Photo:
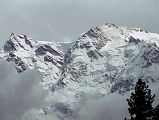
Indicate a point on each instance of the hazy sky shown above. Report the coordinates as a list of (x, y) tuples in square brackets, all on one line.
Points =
[(62, 20)]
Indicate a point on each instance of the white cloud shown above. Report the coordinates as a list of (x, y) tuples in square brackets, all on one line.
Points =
[(19, 92)]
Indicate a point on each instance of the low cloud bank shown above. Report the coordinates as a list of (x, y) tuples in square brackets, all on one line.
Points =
[(19, 92)]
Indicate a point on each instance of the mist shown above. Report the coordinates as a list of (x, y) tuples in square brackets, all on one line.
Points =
[(19, 93), (109, 107)]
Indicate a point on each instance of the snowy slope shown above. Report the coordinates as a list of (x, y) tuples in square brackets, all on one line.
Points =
[(103, 60), (107, 59), (31, 54)]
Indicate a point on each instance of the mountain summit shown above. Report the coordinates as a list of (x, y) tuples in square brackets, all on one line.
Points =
[(103, 60), (27, 53)]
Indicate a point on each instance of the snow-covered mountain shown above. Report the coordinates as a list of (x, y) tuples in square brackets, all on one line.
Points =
[(103, 60), (31, 54), (109, 58)]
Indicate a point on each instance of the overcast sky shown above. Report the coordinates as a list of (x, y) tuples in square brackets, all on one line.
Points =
[(65, 20), (60, 20)]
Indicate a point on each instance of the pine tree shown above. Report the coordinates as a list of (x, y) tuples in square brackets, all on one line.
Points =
[(156, 113), (140, 102), (125, 118)]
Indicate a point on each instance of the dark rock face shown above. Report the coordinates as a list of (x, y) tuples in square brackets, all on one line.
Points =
[(68, 58), (57, 62), (11, 54), (28, 42), (123, 86), (9, 46), (21, 69), (94, 54), (34, 60), (48, 58), (111, 25), (63, 111), (20, 65), (151, 55), (46, 48), (93, 33), (139, 30), (76, 73), (14, 42), (61, 107), (136, 41), (60, 84), (18, 61), (85, 45), (41, 50), (97, 33)]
